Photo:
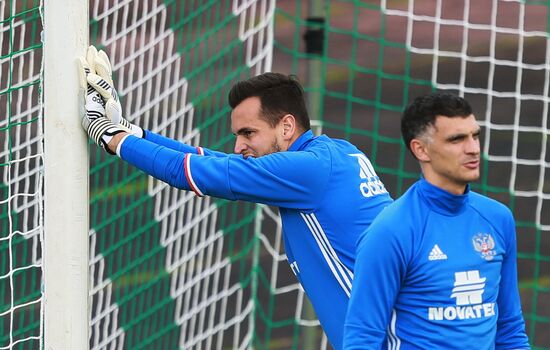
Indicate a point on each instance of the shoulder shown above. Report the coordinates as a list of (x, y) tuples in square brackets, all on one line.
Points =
[(399, 217), (303, 168), (404, 210), (495, 213), (488, 207), (335, 144), (326, 151), (299, 162), (339, 152)]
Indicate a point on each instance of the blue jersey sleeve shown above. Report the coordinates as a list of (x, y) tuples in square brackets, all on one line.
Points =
[(284, 179), (510, 325), (376, 284), (158, 161), (179, 146)]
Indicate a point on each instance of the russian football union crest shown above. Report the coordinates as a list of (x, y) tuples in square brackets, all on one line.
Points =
[(485, 245)]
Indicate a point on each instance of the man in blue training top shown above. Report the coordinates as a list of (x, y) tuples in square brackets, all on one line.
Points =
[(278, 162), (437, 268)]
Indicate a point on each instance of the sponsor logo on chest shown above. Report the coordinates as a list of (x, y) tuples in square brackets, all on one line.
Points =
[(468, 292)]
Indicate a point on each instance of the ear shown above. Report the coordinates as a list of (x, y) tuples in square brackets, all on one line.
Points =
[(419, 149), (288, 124)]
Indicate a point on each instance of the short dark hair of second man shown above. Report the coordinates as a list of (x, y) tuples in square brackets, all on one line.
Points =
[(421, 113)]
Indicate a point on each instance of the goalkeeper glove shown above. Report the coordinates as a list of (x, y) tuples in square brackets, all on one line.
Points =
[(102, 81), (99, 128)]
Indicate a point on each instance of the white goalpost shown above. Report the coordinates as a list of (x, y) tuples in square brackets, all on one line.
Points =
[(66, 223)]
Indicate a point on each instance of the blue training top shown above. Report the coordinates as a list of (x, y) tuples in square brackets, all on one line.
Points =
[(437, 271), (327, 193)]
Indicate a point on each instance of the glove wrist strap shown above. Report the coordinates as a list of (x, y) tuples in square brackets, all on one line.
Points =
[(102, 131)]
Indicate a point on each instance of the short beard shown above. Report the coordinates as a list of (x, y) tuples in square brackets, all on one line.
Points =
[(275, 147)]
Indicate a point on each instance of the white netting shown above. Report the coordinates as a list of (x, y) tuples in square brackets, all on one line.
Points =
[(20, 177), (508, 41), (174, 62), (150, 76)]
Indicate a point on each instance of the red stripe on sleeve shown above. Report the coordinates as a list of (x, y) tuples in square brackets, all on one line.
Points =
[(188, 176)]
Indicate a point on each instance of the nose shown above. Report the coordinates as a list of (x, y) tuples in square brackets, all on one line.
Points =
[(240, 146), (472, 146)]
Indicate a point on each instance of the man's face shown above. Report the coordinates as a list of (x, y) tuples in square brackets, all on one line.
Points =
[(254, 136), (452, 150)]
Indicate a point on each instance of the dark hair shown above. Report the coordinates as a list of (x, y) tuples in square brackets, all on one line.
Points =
[(421, 113), (279, 95)]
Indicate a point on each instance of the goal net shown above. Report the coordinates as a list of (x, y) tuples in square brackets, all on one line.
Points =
[(381, 54), (21, 178), (171, 270)]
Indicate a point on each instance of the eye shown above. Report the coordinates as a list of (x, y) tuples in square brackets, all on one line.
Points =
[(248, 133), (456, 139)]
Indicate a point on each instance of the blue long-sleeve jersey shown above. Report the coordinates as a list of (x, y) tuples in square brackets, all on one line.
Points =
[(437, 271), (327, 193)]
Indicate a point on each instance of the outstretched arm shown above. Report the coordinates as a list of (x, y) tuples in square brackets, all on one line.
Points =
[(286, 179), (179, 146)]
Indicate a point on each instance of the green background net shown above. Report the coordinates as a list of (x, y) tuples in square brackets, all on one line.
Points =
[(170, 270), (20, 176)]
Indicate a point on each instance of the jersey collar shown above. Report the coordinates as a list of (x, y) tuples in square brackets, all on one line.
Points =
[(441, 201), (300, 141)]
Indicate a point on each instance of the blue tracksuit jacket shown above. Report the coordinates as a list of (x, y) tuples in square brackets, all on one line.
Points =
[(437, 271), (327, 193)]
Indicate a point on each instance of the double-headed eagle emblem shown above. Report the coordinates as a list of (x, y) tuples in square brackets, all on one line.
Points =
[(485, 245)]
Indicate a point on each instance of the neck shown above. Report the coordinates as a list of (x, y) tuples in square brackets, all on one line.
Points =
[(440, 200), (446, 184)]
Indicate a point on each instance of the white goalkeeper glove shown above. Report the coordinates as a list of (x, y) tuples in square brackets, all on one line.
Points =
[(102, 81), (95, 122)]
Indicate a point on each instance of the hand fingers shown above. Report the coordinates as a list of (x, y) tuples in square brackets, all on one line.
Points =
[(103, 67), (91, 55), (83, 71), (100, 85), (105, 62), (113, 111), (103, 56)]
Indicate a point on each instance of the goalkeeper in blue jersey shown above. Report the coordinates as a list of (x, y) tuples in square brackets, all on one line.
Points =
[(437, 268), (326, 189)]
